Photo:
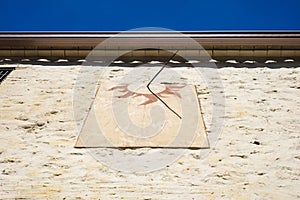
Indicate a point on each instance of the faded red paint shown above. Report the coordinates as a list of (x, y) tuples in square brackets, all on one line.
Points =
[(169, 90)]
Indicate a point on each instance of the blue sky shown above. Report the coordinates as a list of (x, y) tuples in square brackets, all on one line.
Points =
[(120, 15)]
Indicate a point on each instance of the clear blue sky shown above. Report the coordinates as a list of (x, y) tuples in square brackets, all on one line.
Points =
[(119, 15)]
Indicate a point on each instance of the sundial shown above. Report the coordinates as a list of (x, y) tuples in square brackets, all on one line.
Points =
[(127, 115), (131, 114)]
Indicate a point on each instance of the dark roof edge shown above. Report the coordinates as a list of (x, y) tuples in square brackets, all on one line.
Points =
[(208, 39)]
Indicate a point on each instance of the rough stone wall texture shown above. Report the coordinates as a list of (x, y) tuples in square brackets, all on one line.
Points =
[(256, 156)]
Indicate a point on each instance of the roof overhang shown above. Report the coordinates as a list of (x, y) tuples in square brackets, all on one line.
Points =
[(217, 44), (91, 39)]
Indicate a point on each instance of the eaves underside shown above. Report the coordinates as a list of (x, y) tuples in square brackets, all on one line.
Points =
[(217, 44)]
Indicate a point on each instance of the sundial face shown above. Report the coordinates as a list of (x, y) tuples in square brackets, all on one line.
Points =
[(127, 115)]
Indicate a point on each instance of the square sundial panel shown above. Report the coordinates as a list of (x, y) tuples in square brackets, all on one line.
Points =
[(130, 116)]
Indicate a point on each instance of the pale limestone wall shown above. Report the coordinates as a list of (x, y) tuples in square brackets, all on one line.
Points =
[(38, 132)]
